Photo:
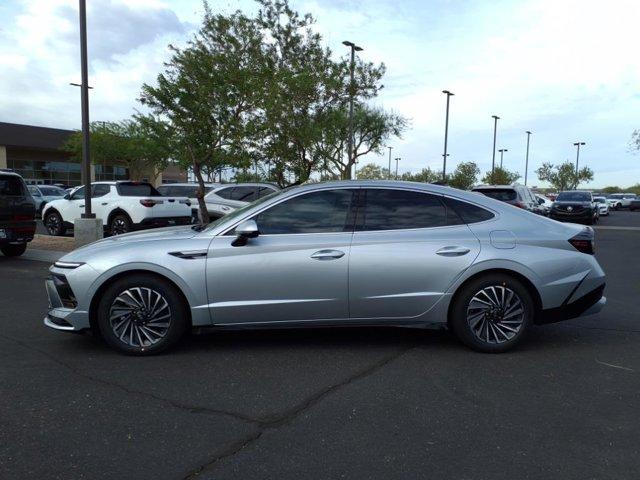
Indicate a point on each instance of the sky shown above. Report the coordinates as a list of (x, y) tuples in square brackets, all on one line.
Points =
[(567, 70)]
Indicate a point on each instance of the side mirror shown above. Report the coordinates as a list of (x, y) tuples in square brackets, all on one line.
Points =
[(246, 230), (67, 197)]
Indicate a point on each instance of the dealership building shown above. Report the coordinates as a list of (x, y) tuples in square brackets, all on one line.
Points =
[(36, 154)]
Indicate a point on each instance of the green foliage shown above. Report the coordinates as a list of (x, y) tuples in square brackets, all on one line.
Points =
[(611, 189), (128, 143), (426, 175), (372, 171), (500, 176), (563, 176), (464, 176)]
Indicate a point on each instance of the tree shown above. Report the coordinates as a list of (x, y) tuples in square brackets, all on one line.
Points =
[(305, 125), (207, 99), (372, 171), (500, 176), (464, 176), (611, 189), (128, 143), (426, 175), (563, 176)]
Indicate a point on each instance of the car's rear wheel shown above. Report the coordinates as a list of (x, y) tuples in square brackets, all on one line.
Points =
[(492, 313), (142, 315), (119, 224), (13, 250), (54, 224)]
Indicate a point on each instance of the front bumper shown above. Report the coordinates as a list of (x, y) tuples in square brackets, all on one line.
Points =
[(60, 317), (570, 217), (588, 304)]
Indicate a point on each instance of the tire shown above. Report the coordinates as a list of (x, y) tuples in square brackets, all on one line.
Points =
[(54, 224), (482, 326), (13, 250), (136, 329), (119, 224)]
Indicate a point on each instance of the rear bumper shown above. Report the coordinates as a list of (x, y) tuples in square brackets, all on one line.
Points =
[(153, 222), (588, 304), (17, 233)]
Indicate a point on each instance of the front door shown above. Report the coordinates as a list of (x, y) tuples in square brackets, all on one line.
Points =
[(406, 251), (296, 270)]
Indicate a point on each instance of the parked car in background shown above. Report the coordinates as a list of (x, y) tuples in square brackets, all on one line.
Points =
[(603, 206), (574, 206), (544, 203), (43, 194), (516, 195), (123, 206), (634, 204), (334, 254), (17, 214), (226, 198), (187, 190), (622, 200)]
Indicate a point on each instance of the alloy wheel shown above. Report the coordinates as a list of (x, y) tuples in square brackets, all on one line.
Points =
[(495, 314), (119, 226), (140, 317), (53, 224)]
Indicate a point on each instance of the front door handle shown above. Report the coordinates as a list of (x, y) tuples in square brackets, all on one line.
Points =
[(104, 203), (327, 254), (81, 206), (453, 251)]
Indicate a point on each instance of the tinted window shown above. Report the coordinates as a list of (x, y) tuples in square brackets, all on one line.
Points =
[(317, 212), (52, 191), (34, 190), (244, 194), (264, 191), (384, 209), (225, 193), (574, 197), (502, 194), (468, 212), (78, 194), (164, 190), (134, 189), (599, 200), (11, 186), (99, 190)]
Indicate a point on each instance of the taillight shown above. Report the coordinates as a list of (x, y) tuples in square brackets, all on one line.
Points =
[(147, 202), (584, 241), (519, 204)]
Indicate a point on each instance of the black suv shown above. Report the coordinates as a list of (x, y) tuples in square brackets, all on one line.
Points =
[(17, 212), (574, 206)]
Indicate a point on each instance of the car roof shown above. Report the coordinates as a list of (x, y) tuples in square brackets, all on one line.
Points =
[(189, 184), (9, 172), (488, 187)]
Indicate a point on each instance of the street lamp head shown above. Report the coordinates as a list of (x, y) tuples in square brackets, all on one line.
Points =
[(579, 143), (495, 116), (528, 132), (357, 48), (448, 92), (347, 43)]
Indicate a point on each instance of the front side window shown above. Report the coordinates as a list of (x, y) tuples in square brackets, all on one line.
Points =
[(386, 209), (78, 194), (316, 212)]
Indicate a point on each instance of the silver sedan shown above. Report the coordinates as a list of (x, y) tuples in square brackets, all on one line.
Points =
[(340, 253)]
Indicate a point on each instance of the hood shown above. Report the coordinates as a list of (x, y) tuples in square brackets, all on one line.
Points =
[(158, 234)]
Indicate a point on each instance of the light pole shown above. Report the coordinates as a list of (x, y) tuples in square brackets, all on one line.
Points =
[(397, 160), (389, 172), (577, 145), (84, 101), (526, 162), (354, 48), (502, 150), (495, 130), (446, 135)]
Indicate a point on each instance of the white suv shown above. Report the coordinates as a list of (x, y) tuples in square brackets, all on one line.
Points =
[(189, 190), (228, 197), (122, 206)]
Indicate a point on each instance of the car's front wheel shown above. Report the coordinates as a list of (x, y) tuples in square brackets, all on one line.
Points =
[(13, 250), (142, 315), (119, 224), (54, 224), (492, 313)]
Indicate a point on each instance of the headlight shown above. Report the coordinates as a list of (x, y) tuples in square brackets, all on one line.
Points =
[(69, 265)]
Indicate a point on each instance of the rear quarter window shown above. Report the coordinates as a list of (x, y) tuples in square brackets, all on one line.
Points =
[(468, 212), (137, 190), (502, 194), (11, 186)]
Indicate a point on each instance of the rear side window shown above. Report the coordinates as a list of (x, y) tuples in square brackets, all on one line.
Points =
[(316, 212), (468, 212), (225, 193), (386, 209), (244, 194), (502, 194), (99, 190), (264, 191), (11, 186), (137, 190)]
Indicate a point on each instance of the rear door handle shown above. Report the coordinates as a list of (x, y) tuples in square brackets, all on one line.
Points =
[(453, 251), (327, 254)]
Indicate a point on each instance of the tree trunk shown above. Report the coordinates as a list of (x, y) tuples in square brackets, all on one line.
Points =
[(202, 206)]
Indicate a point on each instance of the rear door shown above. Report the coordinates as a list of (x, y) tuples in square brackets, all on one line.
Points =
[(406, 251)]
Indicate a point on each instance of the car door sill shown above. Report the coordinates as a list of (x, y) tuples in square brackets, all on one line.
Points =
[(317, 323)]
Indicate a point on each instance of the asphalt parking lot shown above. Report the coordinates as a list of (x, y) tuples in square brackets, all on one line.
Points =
[(342, 403)]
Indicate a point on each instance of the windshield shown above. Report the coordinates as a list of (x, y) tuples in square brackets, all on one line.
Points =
[(600, 200), (52, 191), (574, 197), (239, 212)]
